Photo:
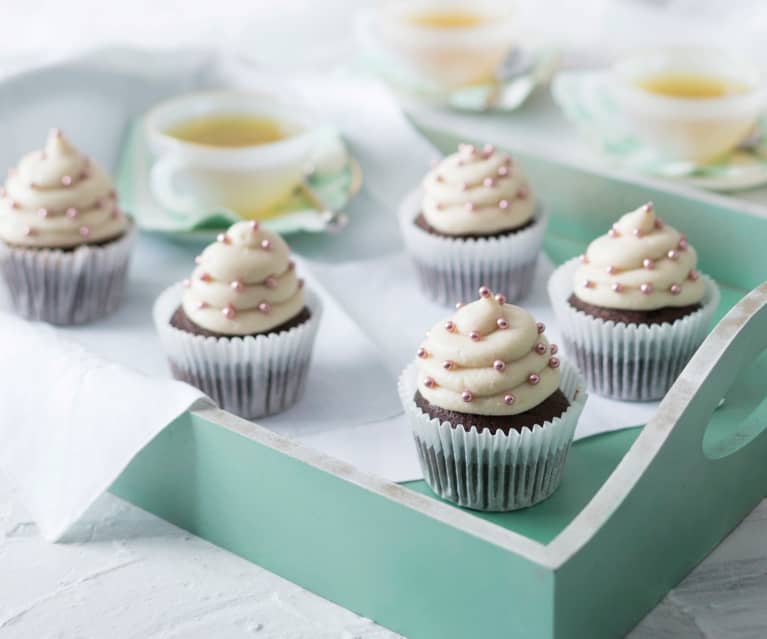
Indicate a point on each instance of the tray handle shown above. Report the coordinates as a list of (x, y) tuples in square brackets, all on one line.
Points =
[(690, 451)]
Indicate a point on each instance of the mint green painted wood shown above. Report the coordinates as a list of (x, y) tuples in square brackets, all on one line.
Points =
[(637, 509)]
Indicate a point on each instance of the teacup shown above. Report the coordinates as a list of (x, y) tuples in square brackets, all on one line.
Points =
[(448, 43), (689, 104), (200, 165)]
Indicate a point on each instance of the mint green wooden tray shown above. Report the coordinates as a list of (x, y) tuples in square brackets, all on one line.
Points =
[(637, 509)]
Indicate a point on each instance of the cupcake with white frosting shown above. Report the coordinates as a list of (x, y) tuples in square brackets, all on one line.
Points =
[(64, 242), (634, 308), (492, 406), (242, 327), (474, 222)]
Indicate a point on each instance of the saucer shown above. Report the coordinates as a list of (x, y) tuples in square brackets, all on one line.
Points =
[(315, 206), (585, 100)]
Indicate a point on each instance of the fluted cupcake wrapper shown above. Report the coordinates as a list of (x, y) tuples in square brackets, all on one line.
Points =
[(67, 287), (451, 270), (249, 376), (494, 471), (628, 361)]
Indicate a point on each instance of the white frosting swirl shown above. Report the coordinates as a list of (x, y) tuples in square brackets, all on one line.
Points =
[(490, 358), (640, 264), (244, 283), (477, 192), (58, 198)]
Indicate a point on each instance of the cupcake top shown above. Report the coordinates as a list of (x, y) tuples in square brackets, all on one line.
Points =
[(641, 264), (58, 198), (477, 192), (244, 283), (489, 358)]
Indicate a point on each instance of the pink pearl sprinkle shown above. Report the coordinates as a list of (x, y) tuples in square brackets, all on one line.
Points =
[(270, 282), (488, 182), (469, 206), (429, 382), (467, 396), (540, 326), (56, 132), (266, 244), (658, 223), (291, 265), (71, 213), (583, 259), (693, 275), (533, 378), (475, 336), (440, 178), (645, 288), (223, 238), (673, 255), (254, 225), (113, 194), (198, 259), (683, 244), (439, 206), (237, 286), (675, 289), (554, 362), (115, 213), (465, 186), (648, 264), (503, 171), (499, 365), (540, 348), (85, 174), (265, 307), (617, 287), (42, 212), (522, 193), (553, 349), (187, 283), (488, 149), (449, 326), (448, 364), (229, 312), (500, 298), (485, 292), (637, 232), (648, 207), (611, 270), (422, 353), (613, 233), (503, 204), (205, 277), (300, 283), (15, 205), (66, 180), (502, 323), (202, 305), (458, 305), (85, 231), (508, 399), (29, 231), (588, 284)]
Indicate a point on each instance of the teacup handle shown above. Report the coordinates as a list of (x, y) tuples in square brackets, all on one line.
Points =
[(161, 179)]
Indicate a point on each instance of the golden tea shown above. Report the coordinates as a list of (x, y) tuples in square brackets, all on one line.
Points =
[(230, 130), (688, 85), (448, 19)]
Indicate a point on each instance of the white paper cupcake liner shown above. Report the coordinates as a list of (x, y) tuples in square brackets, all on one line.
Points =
[(451, 270), (628, 361), (67, 287), (494, 471), (249, 376)]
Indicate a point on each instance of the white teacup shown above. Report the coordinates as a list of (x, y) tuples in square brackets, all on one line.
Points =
[(448, 57), (188, 177), (695, 129)]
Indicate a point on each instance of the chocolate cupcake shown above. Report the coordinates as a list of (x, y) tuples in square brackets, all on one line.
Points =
[(64, 243), (242, 327), (474, 222), (492, 407), (634, 308)]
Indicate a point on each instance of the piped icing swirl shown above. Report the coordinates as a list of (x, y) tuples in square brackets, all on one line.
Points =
[(244, 283), (489, 358), (641, 264), (478, 192), (58, 198)]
